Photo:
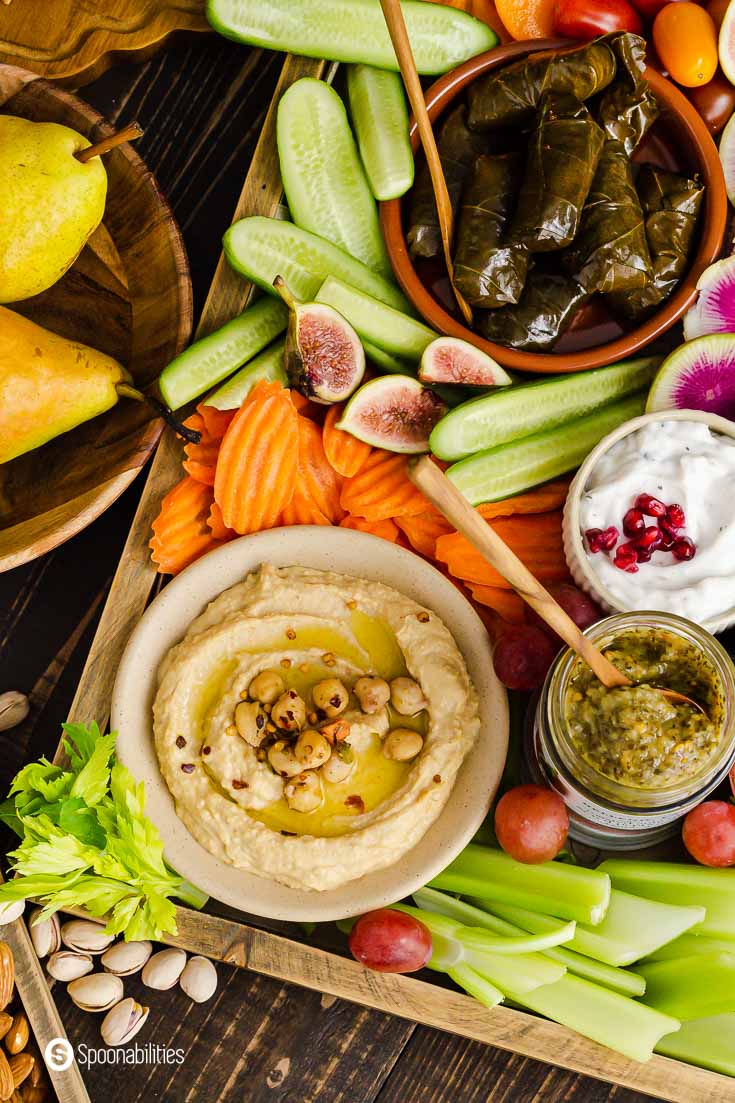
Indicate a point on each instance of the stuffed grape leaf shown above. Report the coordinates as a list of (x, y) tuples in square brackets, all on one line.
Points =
[(545, 310)]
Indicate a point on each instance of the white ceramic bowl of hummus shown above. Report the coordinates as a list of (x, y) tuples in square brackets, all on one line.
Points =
[(681, 456), (228, 841)]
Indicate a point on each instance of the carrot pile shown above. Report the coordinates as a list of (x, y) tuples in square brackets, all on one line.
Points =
[(281, 460)]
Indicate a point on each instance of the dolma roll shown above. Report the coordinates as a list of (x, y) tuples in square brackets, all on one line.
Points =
[(561, 162), (512, 94), (458, 147), (628, 107), (545, 310), (488, 272), (671, 205), (610, 253)]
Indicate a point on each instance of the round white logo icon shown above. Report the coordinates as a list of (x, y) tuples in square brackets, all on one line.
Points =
[(59, 1054)]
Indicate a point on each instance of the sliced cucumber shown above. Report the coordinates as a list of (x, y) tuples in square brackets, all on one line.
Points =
[(380, 118), (268, 366), (393, 365), (323, 178), (263, 248), (510, 468), (376, 323), (510, 413), (353, 30), (207, 362)]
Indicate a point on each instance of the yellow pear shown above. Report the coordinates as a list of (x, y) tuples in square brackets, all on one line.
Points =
[(51, 203), (49, 385)]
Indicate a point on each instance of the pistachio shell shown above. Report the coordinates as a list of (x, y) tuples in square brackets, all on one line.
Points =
[(14, 708), (11, 910), (68, 965), (96, 992), (123, 1022), (164, 969), (199, 979), (86, 936), (45, 934), (125, 958)]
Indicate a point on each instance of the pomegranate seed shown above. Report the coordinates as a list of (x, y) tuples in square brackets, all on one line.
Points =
[(667, 528), (609, 538), (684, 548), (650, 538), (633, 522), (626, 558), (667, 540), (652, 507), (645, 555), (592, 536), (675, 516)]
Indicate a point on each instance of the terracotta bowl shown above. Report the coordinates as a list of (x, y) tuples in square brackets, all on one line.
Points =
[(127, 294), (679, 141)]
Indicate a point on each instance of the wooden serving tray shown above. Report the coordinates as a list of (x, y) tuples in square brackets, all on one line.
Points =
[(242, 944)]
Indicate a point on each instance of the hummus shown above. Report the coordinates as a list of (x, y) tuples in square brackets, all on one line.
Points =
[(309, 626)]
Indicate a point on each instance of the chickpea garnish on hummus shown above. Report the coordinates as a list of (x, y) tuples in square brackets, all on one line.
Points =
[(328, 705)]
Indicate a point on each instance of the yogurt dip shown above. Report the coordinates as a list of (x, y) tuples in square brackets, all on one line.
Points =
[(675, 461)]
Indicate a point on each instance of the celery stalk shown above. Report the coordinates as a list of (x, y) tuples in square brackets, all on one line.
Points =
[(709, 1043), (686, 885), (465, 977), (568, 892), (688, 944), (515, 976), (632, 928), (624, 981), (691, 987), (625, 1025), (513, 941)]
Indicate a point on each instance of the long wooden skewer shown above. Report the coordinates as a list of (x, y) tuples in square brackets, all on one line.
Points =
[(402, 46)]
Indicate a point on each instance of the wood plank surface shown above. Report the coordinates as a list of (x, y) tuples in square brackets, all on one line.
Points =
[(260, 1038)]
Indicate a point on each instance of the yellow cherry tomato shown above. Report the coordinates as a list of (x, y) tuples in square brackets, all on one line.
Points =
[(685, 38)]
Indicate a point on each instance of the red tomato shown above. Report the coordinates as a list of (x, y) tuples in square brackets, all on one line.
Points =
[(685, 38), (588, 18), (709, 833), (390, 942), (531, 823), (714, 101)]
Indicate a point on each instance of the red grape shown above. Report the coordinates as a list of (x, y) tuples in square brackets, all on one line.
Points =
[(390, 942), (709, 833), (531, 823), (576, 603), (522, 656)]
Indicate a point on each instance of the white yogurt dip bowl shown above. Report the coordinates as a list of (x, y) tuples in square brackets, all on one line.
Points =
[(641, 458)]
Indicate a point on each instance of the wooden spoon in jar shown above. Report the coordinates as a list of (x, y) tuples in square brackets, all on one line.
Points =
[(452, 504), (402, 46)]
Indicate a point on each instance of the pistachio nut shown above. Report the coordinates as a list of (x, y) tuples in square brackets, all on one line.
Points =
[(199, 979), (163, 970), (85, 936), (68, 965), (125, 958), (11, 910), (16, 1039), (123, 1022), (14, 708), (96, 992), (45, 933)]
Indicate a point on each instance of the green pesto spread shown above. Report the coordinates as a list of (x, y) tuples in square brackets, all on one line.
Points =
[(633, 734)]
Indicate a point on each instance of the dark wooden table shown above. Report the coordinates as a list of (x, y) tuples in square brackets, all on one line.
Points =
[(257, 1040)]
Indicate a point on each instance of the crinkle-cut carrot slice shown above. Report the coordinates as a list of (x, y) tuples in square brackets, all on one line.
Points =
[(216, 422), (423, 530), (541, 499), (219, 529), (386, 529), (258, 460), (536, 540), (346, 453), (317, 479), (382, 489), (180, 532), (201, 458), (506, 603), (302, 510), (303, 405)]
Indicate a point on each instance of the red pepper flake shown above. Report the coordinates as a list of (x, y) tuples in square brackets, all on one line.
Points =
[(180, 741), (290, 634), (288, 834), (187, 767), (206, 750), (437, 779), (423, 617), (237, 784), (355, 802), (285, 663)]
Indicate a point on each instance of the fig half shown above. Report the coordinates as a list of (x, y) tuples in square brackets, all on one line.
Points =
[(394, 412), (323, 357), (451, 360)]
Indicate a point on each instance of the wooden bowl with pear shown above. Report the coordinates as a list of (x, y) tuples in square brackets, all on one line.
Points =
[(95, 300)]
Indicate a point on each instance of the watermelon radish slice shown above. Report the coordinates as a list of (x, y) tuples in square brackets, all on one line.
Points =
[(394, 412), (449, 360), (699, 375), (714, 309)]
